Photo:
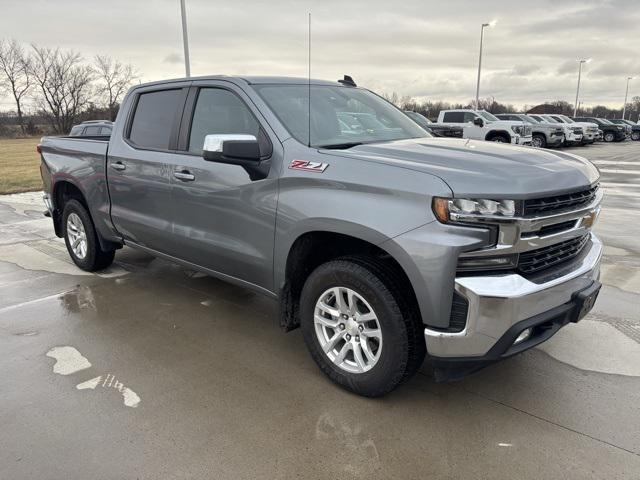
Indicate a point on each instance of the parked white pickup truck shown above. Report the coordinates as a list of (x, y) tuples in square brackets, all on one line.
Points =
[(482, 125)]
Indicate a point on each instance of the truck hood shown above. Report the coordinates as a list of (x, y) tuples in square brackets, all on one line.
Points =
[(583, 124), (483, 169)]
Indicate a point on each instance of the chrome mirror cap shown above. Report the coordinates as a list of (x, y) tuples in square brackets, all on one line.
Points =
[(215, 143)]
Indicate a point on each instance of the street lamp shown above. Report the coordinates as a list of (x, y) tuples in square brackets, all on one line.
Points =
[(575, 109), (490, 24), (185, 39), (626, 93)]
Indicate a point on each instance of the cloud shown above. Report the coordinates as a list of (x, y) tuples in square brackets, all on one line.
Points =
[(173, 58), (414, 47)]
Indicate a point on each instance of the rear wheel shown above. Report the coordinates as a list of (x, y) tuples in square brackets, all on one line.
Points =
[(82, 240), (358, 327), (538, 141)]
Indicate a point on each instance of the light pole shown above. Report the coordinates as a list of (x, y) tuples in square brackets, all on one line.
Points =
[(624, 107), (185, 39), (490, 24), (575, 108)]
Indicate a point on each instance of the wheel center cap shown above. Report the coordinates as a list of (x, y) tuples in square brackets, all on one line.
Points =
[(352, 327)]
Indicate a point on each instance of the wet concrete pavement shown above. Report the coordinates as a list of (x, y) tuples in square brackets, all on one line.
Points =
[(171, 374)]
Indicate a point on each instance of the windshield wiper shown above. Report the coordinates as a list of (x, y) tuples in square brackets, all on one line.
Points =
[(340, 146)]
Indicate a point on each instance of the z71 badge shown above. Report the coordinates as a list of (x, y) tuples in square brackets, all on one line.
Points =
[(307, 166)]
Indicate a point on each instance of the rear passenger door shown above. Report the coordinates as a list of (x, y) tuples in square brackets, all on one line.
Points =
[(224, 219), (139, 175)]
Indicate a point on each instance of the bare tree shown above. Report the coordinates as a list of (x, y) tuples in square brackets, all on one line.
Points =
[(64, 85), (14, 67), (114, 78)]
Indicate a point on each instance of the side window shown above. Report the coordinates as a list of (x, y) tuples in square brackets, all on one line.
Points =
[(453, 117), (105, 131), (469, 117), (219, 111), (90, 131), (153, 119), (77, 130)]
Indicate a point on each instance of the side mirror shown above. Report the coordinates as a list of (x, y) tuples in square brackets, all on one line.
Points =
[(237, 149), (231, 148), (478, 122)]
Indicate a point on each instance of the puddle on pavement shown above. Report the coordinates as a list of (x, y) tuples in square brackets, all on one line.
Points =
[(68, 360), (129, 397)]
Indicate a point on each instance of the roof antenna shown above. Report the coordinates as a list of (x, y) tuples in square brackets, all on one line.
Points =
[(309, 84), (347, 80)]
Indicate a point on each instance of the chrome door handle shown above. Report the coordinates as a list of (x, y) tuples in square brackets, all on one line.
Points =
[(184, 175), (118, 166)]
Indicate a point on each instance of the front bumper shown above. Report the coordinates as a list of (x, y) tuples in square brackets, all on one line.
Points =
[(572, 137), (521, 139), (498, 303), (555, 140)]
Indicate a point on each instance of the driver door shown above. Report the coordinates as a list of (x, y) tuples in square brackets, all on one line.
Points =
[(223, 220), (471, 129)]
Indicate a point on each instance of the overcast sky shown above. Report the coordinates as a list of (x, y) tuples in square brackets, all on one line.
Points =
[(413, 47)]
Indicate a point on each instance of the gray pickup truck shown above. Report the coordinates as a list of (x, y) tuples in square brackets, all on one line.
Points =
[(383, 244)]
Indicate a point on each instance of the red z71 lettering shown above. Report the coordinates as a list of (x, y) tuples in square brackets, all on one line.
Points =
[(308, 166)]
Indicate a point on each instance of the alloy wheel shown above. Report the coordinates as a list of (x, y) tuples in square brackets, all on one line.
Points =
[(348, 330), (77, 236)]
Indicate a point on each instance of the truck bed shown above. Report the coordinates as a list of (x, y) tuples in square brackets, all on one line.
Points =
[(79, 163)]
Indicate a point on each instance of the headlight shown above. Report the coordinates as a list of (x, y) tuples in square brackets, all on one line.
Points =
[(448, 209), (517, 129), (619, 128)]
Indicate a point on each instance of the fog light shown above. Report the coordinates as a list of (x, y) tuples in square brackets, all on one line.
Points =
[(523, 336)]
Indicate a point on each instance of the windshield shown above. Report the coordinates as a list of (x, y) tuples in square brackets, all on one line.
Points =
[(487, 116), (340, 117), (566, 119), (420, 119), (605, 121), (528, 119), (551, 120)]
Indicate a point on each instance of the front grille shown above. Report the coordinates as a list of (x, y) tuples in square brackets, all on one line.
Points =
[(551, 229), (540, 259), (546, 205), (577, 130), (527, 131)]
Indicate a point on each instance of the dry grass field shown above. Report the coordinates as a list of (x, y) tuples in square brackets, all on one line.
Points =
[(19, 165)]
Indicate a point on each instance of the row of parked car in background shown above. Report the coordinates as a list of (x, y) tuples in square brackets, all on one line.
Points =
[(538, 130)]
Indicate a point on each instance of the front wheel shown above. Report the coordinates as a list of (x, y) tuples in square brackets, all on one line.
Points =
[(82, 240), (500, 139), (358, 328), (539, 141), (609, 137), (635, 136)]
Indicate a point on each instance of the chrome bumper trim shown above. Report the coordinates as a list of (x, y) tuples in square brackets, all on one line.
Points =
[(498, 302)]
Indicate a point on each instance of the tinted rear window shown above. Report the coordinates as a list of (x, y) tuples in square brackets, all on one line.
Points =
[(153, 119), (453, 117), (91, 130)]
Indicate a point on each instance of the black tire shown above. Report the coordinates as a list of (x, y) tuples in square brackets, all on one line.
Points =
[(539, 140), (635, 135), (95, 258), (403, 349), (609, 137), (500, 139)]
